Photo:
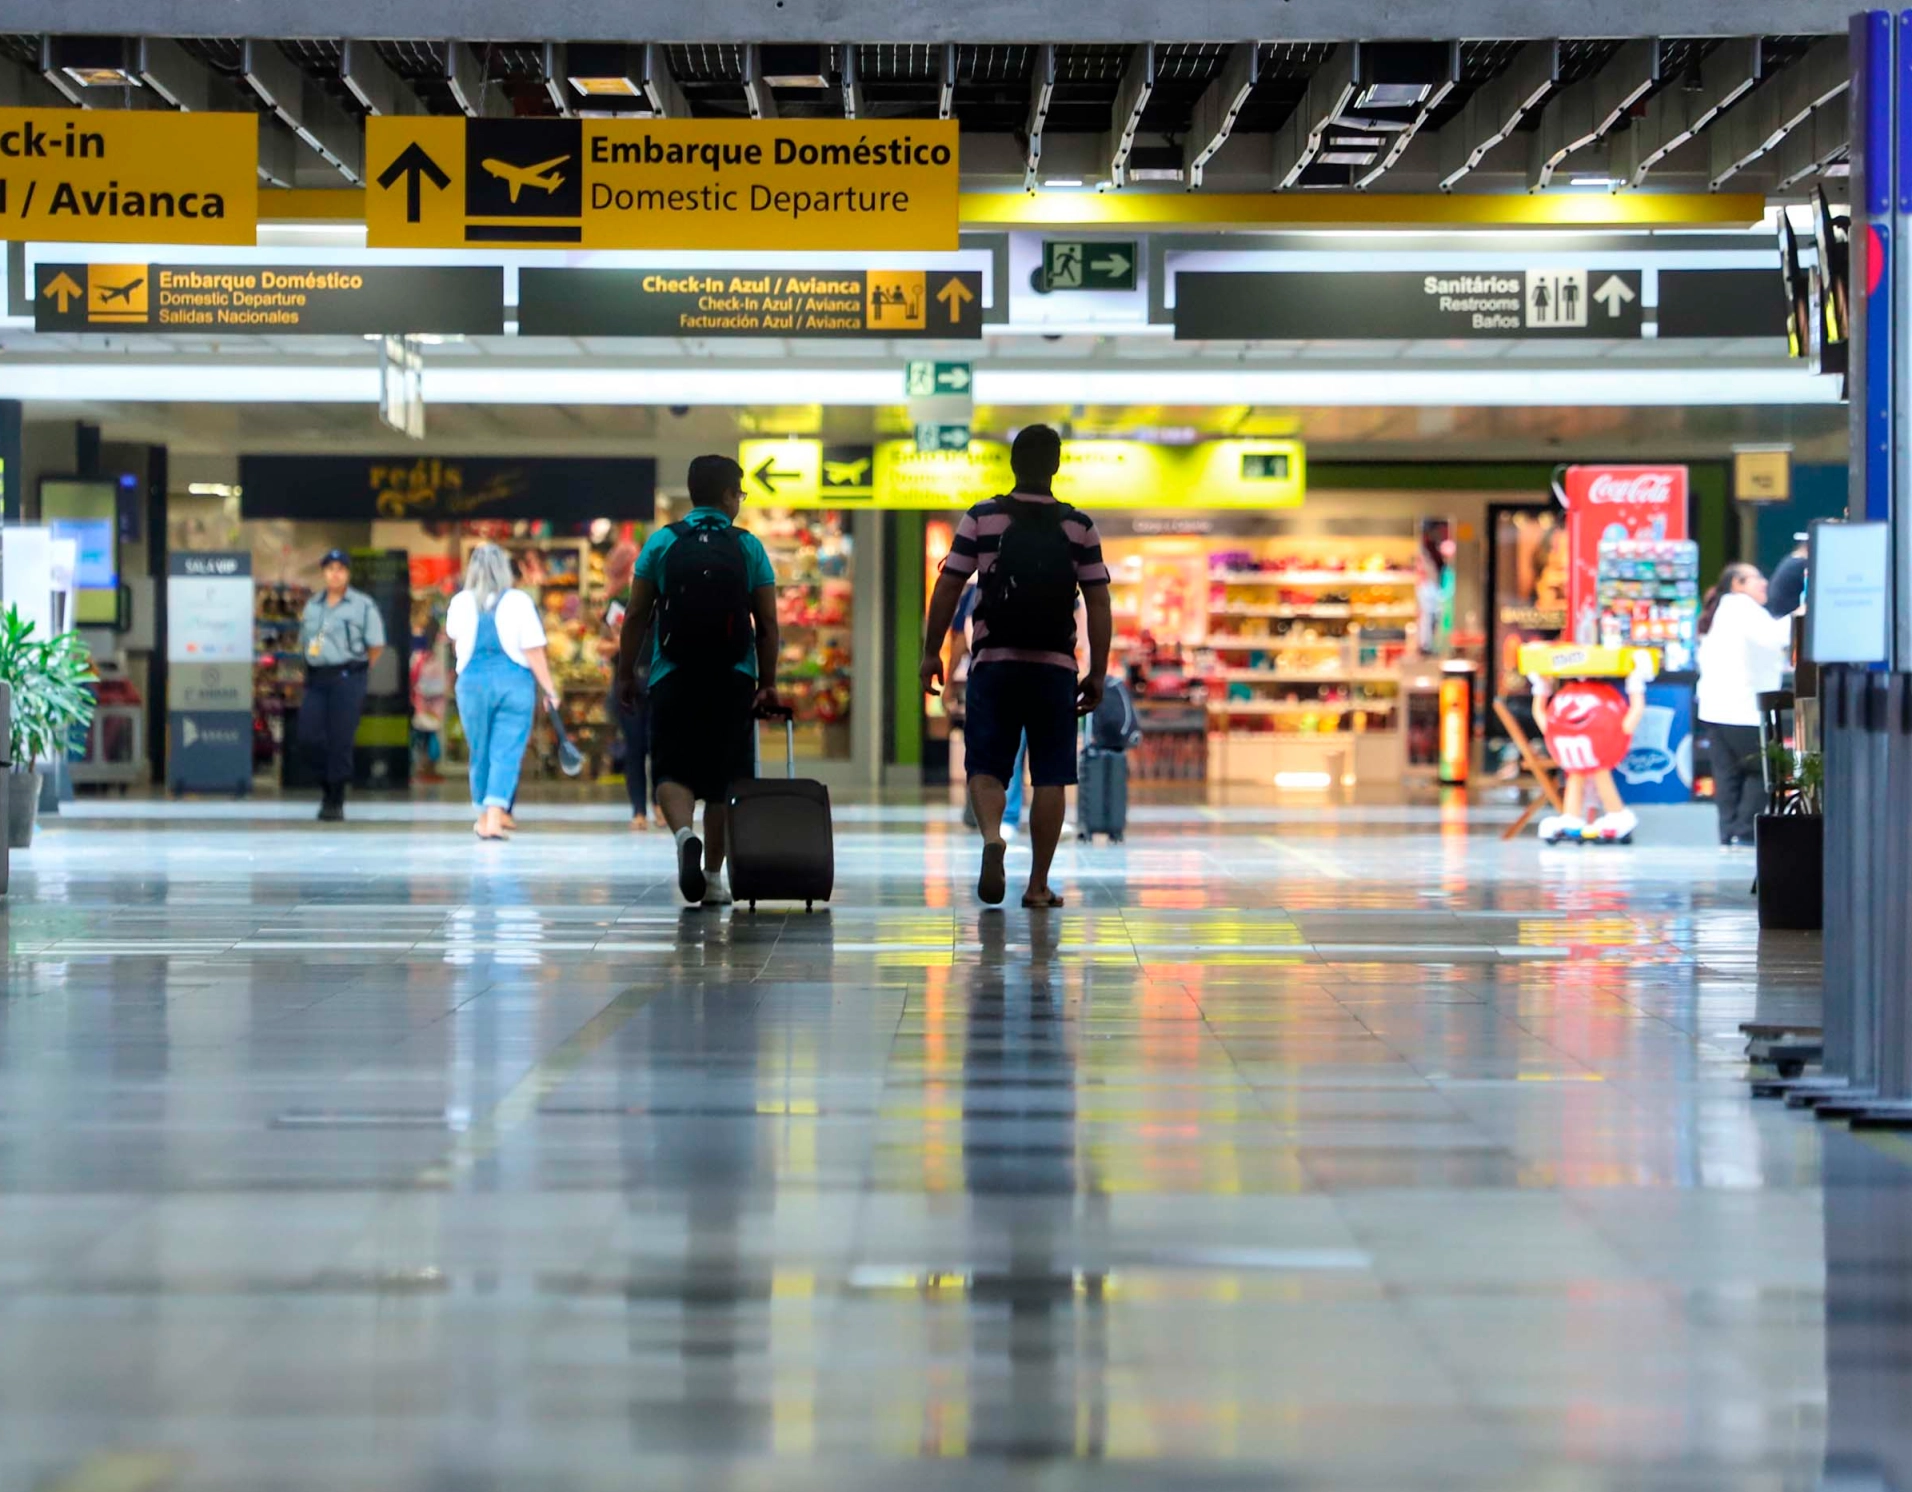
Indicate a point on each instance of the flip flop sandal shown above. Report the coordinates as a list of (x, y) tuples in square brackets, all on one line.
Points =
[(993, 883), (1054, 900)]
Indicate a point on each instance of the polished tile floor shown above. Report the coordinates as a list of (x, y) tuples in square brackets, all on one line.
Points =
[(1302, 1149)]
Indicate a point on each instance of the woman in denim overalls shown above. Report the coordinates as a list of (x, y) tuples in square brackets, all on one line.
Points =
[(497, 694)]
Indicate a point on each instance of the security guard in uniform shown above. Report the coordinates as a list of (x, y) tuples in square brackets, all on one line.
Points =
[(341, 635)]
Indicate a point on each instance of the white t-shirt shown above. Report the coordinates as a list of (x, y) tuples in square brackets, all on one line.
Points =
[(519, 626), (1742, 656)]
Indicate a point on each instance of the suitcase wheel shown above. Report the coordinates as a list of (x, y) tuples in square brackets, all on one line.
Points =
[(1115, 839)]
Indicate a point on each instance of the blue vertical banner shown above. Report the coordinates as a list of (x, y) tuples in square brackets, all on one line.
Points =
[(1874, 86)]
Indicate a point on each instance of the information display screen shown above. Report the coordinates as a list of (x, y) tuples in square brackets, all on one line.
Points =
[(87, 512)]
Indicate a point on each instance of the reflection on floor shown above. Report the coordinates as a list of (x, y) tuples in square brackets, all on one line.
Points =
[(1293, 1153)]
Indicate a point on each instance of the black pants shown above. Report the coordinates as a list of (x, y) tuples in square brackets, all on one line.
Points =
[(329, 721), (1739, 785), (636, 728)]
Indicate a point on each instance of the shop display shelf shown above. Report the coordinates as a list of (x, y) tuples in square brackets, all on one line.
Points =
[(1240, 644), (1336, 611), (1298, 706), (1277, 676), (1314, 577)]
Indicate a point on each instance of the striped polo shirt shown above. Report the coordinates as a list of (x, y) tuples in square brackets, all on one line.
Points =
[(974, 550)]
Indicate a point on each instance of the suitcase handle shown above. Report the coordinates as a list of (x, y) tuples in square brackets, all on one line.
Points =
[(789, 718)]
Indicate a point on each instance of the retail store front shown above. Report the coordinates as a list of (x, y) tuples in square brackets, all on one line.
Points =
[(411, 523), (1271, 634)]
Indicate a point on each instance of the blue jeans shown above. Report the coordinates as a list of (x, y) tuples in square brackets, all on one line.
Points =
[(497, 700)]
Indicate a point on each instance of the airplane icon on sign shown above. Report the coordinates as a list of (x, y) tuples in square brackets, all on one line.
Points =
[(120, 292), (543, 176), (845, 473)]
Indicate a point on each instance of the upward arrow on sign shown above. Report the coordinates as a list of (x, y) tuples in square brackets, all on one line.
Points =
[(1613, 294), (414, 165), (955, 295), (62, 290)]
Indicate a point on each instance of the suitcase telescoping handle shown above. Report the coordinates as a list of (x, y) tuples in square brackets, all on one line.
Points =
[(789, 718)]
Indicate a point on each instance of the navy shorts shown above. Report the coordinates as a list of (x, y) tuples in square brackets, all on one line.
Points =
[(1008, 699)]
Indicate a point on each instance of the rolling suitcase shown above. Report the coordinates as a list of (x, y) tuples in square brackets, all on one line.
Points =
[(781, 847), (1102, 796)]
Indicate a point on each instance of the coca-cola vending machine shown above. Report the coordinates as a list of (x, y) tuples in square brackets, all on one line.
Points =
[(1614, 504), (1633, 581)]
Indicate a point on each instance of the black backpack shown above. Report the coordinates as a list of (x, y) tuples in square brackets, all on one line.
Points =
[(1027, 598), (703, 607)]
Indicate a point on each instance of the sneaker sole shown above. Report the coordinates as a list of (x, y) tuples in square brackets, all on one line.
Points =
[(690, 870)]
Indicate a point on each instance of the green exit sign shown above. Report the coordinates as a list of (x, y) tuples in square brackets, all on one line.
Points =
[(942, 437), (1088, 264), (925, 380)]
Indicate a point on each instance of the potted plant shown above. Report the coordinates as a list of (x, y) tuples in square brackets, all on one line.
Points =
[(51, 698), (1790, 841)]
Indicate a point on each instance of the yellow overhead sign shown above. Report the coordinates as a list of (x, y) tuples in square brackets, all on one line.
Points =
[(128, 176), (1096, 475), (830, 184)]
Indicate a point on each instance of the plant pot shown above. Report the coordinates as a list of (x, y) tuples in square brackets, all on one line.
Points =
[(1790, 849), (23, 807)]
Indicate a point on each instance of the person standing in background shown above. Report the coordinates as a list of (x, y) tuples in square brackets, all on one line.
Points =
[(501, 656), (634, 718), (1742, 655), (341, 636)]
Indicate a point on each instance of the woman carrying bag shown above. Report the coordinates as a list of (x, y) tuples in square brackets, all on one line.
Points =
[(502, 670)]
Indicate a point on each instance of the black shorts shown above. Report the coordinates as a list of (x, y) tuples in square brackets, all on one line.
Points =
[(702, 730)]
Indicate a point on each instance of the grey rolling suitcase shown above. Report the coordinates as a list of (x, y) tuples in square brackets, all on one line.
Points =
[(1102, 794), (781, 847)]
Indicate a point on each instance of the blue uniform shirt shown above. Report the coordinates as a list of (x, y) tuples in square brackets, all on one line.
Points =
[(650, 569)]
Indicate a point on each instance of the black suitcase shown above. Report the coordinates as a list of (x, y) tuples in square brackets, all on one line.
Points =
[(781, 848), (1102, 794)]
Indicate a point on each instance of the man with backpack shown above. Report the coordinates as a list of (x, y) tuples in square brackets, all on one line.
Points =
[(713, 664), (1030, 555)]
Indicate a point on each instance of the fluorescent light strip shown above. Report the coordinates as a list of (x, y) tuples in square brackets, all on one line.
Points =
[(226, 383)]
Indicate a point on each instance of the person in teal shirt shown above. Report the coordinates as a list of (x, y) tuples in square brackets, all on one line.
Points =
[(705, 591)]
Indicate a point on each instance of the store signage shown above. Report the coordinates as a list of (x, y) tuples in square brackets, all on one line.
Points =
[(831, 184), (1080, 264), (557, 489), (792, 303), (1614, 502), (1097, 474), (129, 176), (1391, 305), (209, 658), (1722, 303), (1762, 474), (279, 300)]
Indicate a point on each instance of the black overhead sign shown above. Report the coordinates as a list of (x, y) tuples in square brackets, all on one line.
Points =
[(1393, 305), (273, 300), (1722, 303), (559, 489), (906, 303)]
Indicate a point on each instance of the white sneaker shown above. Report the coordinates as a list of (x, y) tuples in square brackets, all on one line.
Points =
[(1068, 830), (717, 890), (1615, 828), (1009, 833), (1553, 828)]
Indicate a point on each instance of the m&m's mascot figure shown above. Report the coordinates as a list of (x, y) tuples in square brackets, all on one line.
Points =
[(1588, 725)]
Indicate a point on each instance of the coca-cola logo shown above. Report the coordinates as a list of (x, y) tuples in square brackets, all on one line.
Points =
[(1631, 487)]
